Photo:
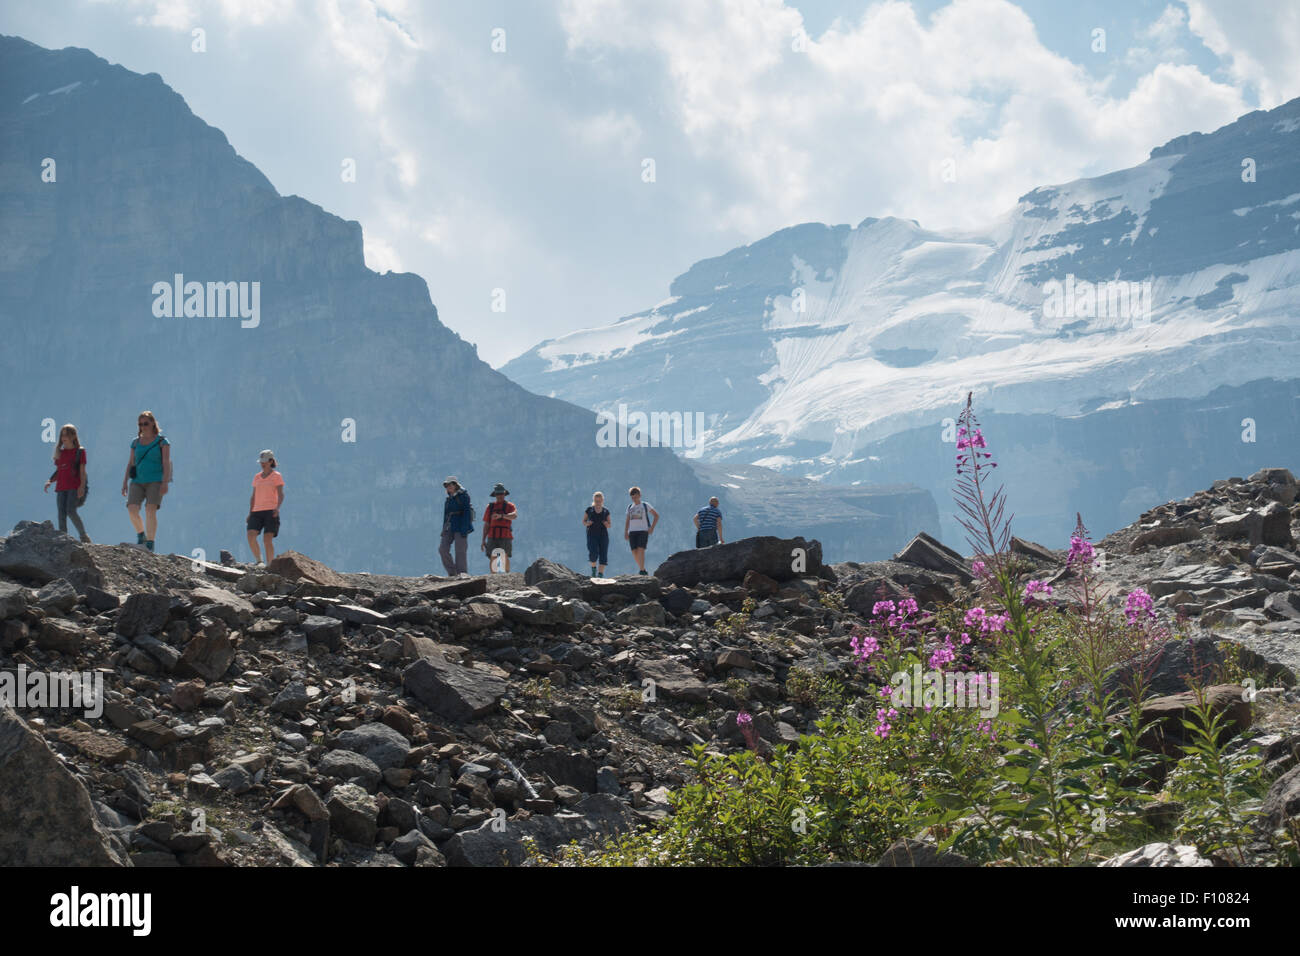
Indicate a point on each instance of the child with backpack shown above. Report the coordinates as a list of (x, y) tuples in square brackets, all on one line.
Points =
[(264, 507), (69, 479), (638, 526), (498, 536), (596, 519)]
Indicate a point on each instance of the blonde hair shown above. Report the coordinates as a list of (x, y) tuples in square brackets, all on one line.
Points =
[(597, 494), (58, 445), (152, 420)]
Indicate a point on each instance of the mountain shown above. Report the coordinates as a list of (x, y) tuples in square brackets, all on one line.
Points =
[(144, 191), (842, 353)]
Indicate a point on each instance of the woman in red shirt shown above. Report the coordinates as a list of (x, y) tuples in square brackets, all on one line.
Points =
[(69, 479)]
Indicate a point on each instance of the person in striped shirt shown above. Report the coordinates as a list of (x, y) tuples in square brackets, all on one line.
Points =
[(708, 525)]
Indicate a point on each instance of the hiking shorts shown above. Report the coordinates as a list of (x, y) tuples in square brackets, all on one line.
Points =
[(504, 544), (598, 548), (149, 491), (267, 522), (638, 539)]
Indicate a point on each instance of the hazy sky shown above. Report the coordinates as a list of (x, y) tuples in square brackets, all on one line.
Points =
[(522, 170)]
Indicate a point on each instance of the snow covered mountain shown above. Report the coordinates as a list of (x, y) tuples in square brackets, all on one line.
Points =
[(1128, 338)]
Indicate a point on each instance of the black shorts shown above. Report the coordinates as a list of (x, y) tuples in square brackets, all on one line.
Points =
[(267, 522), (638, 539), (503, 544), (598, 547)]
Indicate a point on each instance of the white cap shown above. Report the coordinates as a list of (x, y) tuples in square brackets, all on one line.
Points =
[(266, 455)]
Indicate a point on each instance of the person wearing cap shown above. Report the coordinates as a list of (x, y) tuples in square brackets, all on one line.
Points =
[(457, 525), (498, 538), (264, 507)]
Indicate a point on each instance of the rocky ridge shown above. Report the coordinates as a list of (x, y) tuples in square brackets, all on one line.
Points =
[(299, 716)]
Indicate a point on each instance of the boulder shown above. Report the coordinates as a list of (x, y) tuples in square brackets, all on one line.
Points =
[(1159, 854), (1281, 484), (299, 567), (544, 569), (223, 605), (479, 616), (563, 767), (13, 600), (452, 691), (1171, 668), (349, 765), (354, 814), (1275, 525), (46, 817), (99, 600), (596, 817), (1168, 736), (1282, 802), (675, 680), (1164, 537), (207, 655), (930, 553), (143, 613), (292, 700), (462, 588), (58, 635), (781, 559), (323, 630), (57, 597), (39, 553), (918, 853), (381, 743)]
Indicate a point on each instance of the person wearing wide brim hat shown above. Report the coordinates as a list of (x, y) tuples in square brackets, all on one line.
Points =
[(498, 531), (457, 525)]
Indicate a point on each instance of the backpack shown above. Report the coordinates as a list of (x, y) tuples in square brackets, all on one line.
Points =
[(76, 464)]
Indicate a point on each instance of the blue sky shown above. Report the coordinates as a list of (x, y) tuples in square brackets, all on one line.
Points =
[(522, 170)]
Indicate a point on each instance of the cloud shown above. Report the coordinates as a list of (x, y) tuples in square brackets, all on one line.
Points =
[(1259, 40)]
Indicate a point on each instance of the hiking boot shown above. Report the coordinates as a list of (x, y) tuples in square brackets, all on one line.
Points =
[(643, 571), (139, 537), (149, 545), (85, 539), (260, 564)]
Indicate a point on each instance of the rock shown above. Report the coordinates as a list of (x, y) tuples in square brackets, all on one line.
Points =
[(563, 766), (928, 552), (677, 601), (62, 636), (356, 614), (1164, 537), (1169, 736), (290, 851), (144, 613), (476, 617), (292, 700), (641, 614), (1275, 528), (38, 553), (1285, 604), (234, 779), (1281, 804), (1034, 551), (207, 655), (674, 679), (323, 630), (407, 847), (99, 600), (462, 588), (46, 815), (1248, 526), (1281, 484), (659, 730), (152, 734), (188, 695), (222, 605), (730, 658), (354, 814), (381, 743), (917, 853), (299, 567), (452, 691), (348, 765), (756, 582), (781, 559), (13, 600), (1159, 854), (1167, 668), (544, 569), (103, 747), (57, 597), (596, 817), (400, 719)]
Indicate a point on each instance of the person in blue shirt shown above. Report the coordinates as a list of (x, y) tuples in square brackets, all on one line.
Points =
[(708, 525), (457, 524), (148, 473)]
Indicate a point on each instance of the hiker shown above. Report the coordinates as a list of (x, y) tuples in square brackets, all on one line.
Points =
[(708, 525), (497, 534), (596, 519), (457, 524), (637, 526), (264, 507), (149, 472), (69, 479)]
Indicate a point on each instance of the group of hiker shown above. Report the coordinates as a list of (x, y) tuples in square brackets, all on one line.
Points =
[(149, 474), (497, 540)]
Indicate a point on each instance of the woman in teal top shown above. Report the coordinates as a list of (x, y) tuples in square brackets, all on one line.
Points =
[(148, 472)]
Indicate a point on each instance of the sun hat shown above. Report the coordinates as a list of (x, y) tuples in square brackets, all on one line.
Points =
[(499, 489), (266, 455), (452, 480)]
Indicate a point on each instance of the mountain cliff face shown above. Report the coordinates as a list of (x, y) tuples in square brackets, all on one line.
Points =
[(837, 352), (144, 191)]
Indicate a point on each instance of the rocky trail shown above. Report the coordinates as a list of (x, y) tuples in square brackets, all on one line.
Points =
[(299, 716)]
